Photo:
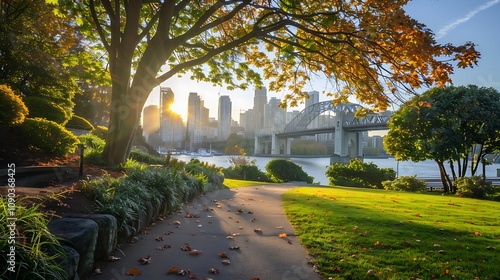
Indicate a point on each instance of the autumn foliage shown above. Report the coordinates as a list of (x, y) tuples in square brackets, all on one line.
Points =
[(372, 50)]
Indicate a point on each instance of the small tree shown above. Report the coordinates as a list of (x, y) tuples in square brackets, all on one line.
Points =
[(447, 125), (283, 170)]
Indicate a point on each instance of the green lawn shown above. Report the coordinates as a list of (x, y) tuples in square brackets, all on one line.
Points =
[(232, 183), (397, 235)]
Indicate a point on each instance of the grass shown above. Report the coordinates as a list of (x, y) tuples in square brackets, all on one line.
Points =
[(233, 183), (397, 235)]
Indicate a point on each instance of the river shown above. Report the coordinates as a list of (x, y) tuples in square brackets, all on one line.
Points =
[(316, 167)]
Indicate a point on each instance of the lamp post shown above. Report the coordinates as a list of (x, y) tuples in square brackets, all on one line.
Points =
[(81, 147)]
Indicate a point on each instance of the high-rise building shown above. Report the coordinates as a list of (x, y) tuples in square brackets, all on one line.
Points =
[(313, 98), (224, 117), (274, 116), (172, 130), (259, 104), (194, 119), (166, 100), (150, 120)]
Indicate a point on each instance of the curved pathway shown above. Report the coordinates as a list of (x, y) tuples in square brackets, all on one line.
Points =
[(247, 224)]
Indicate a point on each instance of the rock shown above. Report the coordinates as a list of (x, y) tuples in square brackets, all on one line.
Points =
[(70, 262), (107, 234), (81, 234)]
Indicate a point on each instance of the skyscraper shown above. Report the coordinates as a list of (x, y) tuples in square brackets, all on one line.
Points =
[(172, 130), (259, 104), (166, 100), (313, 98), (150, 120), (224, 116), (274, 116)]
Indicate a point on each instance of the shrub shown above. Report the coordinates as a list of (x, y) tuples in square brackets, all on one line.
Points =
[(282, 170), (46, 136), (12, 108), (209, 171), (38, 253), (40, 107), (359, 174), (473, 187), (144, 157), (405, 183), (94, 147), (245, 172), (77, 122)]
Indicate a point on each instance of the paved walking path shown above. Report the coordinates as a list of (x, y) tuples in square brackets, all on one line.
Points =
[(251, 218)]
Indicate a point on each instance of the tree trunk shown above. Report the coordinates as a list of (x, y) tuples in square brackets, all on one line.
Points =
[(125, 114), (444, 176)]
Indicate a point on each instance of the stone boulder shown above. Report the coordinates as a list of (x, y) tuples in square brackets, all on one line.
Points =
[(81, 234), (107, 234), (70, 262)]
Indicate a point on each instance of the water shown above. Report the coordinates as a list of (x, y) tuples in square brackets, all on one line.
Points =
[(316, 167)]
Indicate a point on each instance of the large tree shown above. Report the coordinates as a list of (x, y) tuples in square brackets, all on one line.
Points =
[(455, 125), (371, 49)]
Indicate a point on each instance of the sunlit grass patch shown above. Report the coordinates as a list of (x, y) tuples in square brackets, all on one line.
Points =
[(233, 183), (397, 235)]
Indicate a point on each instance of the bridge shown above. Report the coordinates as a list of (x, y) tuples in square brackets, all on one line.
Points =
[(344, 125)]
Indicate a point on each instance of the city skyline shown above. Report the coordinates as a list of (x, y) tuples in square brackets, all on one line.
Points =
[(453, 21)]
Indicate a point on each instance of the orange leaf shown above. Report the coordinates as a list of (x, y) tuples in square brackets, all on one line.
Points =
[(223, 256), (173, 270), (282, 235), (133, 271), (477, 233), (418, 215)]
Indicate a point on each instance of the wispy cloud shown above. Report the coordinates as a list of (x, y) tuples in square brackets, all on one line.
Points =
[(443, 31)]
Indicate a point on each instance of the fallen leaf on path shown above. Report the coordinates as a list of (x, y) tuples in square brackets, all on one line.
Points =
[(186, 248), (173, 270), (192, 276), (223, 255), (234, 248), (113, 259), (159, 238), (145, 261), (282, 235), (133, 271), (257, 230), (195, 252), (97, 271), (177, 223), (214, 271), (161, 248), (226, 262)]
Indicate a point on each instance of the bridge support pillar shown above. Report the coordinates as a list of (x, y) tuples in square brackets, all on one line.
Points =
[(256, 145), (274, 144), (288, 146), (340, 148)]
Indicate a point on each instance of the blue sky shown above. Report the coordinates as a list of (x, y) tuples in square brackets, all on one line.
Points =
[(453, 21)]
